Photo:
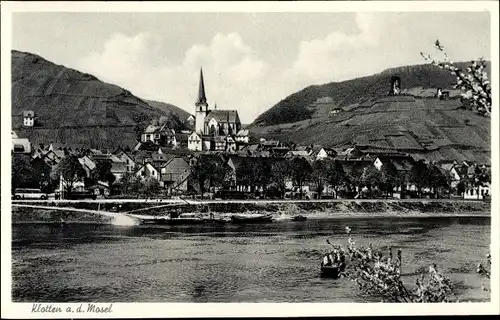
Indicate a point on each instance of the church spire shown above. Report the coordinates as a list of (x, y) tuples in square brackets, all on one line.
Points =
[(202, 98)]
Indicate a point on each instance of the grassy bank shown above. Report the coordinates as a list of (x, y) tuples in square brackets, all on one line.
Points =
[(280, 210)]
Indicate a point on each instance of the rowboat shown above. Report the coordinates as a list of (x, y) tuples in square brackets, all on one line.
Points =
[(251, 218), (332, 271)]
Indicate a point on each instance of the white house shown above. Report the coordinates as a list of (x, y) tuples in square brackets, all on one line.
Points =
[(194, 142), (322, 154), (28, 118), (378, 164), (242, 136), (477, 193), (148, 170)]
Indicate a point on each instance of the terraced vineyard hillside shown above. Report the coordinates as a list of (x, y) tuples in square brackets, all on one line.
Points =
[(75, 108)]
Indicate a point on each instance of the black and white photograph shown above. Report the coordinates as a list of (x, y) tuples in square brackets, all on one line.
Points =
[(283, 154)]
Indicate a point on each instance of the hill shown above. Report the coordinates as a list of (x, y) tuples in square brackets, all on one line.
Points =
[(169, 109), (360, 112), (76, 108)]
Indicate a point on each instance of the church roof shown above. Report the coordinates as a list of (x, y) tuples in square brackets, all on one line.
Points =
[(223, 116), (202, 98)]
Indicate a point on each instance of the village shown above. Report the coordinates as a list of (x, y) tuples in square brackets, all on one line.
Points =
[(219, 159)]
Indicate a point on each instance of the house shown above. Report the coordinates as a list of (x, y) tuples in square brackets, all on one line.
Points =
[(477, 193), (148, 170), (118, 169), (230, 144), (320, 153), (242, 136), (125, 158), (174, 175), (142, 157), (88, 165), (28, 118), (195, 142), (450, 170), (21, 145), (335, 111), (297, 153), (159, 135)]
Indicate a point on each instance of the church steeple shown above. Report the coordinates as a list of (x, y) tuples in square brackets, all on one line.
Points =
[(202, 98)]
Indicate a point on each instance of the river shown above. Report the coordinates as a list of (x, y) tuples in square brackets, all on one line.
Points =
[(272, 262)]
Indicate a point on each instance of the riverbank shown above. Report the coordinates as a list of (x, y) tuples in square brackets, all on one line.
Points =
[(281, 210)]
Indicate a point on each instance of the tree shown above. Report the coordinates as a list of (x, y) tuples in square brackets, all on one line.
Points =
[(103, 172), (390, 177), (280, 173), (473, 82), (220, 175), (372, 177), (151, 186), (419, 175), (262, 174), (301, 171), (437, 179), (336, 175), (201, 171), (71, 171), (319, 175), (22, 172)]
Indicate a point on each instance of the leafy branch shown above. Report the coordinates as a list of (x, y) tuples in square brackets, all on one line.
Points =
[(473, 81)]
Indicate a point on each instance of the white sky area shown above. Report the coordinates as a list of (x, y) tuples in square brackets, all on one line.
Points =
[(250, 60)]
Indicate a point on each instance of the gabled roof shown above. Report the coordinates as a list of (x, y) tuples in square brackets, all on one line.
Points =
[(157, 157), (223, 116), (29, 113)]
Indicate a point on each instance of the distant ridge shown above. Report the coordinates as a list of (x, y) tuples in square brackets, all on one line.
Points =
[(360, 112)]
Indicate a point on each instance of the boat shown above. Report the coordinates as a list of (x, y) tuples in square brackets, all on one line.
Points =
[(299, 218), (251, 218), (331, 271)]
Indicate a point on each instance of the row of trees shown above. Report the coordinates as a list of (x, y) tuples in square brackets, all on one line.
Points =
[(256, 173)]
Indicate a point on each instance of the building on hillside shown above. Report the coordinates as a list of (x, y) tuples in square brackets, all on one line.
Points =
[(28, 118), (212, 125)]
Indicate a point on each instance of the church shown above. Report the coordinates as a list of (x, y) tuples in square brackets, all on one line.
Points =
[(215, 130)]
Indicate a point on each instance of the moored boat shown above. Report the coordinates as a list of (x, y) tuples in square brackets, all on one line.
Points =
[(299, 218), (331, 271), (249, 218)]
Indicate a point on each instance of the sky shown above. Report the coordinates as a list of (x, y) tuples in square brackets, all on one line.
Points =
[(250, 60)]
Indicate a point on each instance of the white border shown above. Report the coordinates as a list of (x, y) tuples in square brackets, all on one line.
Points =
[(23, 310)]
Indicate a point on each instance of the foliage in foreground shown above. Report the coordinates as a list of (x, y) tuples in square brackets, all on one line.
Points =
[(379, 275), (473, 82)]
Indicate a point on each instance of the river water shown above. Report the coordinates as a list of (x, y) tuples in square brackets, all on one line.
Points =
[(272, 262)]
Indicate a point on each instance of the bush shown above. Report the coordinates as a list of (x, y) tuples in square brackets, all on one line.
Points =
[(378, 275)]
